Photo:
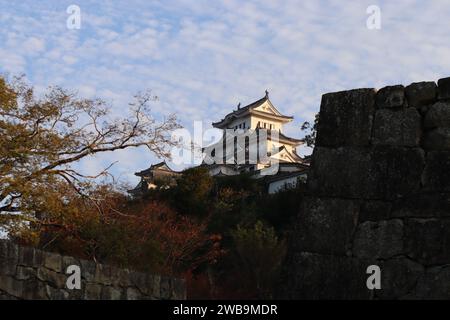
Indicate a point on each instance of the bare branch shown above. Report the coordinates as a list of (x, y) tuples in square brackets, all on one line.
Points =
[(41, 139)]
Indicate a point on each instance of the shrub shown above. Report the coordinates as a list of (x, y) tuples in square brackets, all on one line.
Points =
[(259, 255)]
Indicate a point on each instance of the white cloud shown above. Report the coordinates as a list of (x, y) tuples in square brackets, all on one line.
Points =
[(33, 45)]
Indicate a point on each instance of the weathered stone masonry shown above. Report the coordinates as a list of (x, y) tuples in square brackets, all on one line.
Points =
[(378, 193), (28, 273)]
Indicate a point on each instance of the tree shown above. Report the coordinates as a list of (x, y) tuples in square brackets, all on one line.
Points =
[(311, 131), (42, 137), (259, 255), (143, 235), (281, 208), (232, 207), (191, 195)]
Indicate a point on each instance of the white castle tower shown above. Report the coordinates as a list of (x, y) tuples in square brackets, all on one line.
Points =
[(260, 117), (257, 126)]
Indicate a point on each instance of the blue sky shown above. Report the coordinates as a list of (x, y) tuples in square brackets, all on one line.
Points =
[(203, 57)]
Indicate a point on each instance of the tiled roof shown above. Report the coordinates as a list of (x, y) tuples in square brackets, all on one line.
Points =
[(158, 166), (249, 107)]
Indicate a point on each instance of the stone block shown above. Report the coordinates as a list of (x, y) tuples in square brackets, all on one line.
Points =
[(328, 277), (339, 172), (423, 110), (326, 225), (31, 274), (437, 139), (434, 284), (165, 288), (76, 294), (3, 249), (381, 173), (179, 289), (26, 256), (13, 253), (346, 118), (375, 210), (56, 294), (140, 281), (103, 274), (11, 286), (398, 278), (57, 280), (9, 259), (397, 127), (428, 241), (444, 88), (391, 97), (34, 290), (5, 296), (124, 278), (422, 205), (152, 288), (38, 258), (438, 115), (115, 276), (25, 273), (382, 239), (133, 294), (156, 285), (88, 269), (92, 291), (395, 172), (111, 293), (420, 94), (53, 261), (7, 268), (436, 175)]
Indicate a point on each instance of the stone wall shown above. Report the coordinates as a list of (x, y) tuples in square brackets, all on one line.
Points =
[(378, 194), (28, 273)]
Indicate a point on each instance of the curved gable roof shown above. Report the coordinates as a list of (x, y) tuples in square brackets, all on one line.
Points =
[(251, 108)]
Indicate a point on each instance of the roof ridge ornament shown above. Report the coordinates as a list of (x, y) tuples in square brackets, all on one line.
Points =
[(239, 106), (267, 94)]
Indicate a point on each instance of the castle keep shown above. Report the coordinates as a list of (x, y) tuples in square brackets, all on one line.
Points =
[(257, 126)]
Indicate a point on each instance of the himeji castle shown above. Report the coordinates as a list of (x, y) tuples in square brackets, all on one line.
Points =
[(257, 127), (253, 142)]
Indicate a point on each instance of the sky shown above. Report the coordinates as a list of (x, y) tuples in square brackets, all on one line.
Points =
[(203, 57)]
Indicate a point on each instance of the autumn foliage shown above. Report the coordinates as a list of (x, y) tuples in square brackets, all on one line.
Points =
[(42, 137), (148, 236)]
